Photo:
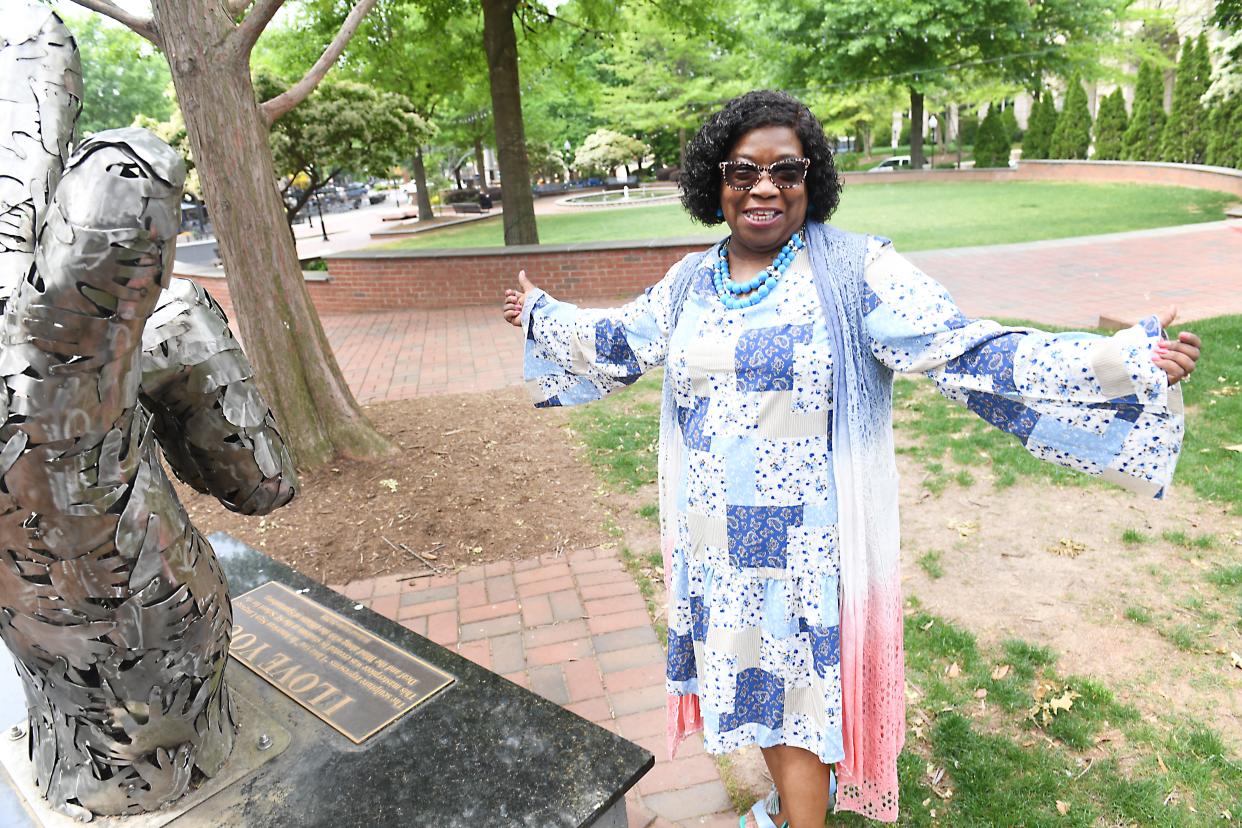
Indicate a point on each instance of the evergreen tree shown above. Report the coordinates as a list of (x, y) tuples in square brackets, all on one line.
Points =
[(1142, 138), (1110, 127), (1224, 145), (1010, 122), (992, 144), (1072, 136), (1039, 127), (1184, 138)]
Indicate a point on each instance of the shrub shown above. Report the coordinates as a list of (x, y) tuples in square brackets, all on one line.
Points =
[(991, 144), (1110, 127), (1072, 135), (1147, 118), (459, 196), (1039, 128)]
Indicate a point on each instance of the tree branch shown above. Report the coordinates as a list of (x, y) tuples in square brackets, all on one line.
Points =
[(247, 34), (287, 100), (236, 7), (139, 25)]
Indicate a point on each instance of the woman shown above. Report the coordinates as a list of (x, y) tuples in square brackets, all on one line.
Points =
[(777, 478)]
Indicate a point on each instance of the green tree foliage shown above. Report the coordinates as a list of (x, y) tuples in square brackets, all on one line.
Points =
[(605, 149), (1110, 127), (1147, 117), (923, 45), (124, 78), (1184, 138), (343, 127), (991, 142), (1072, 136), (1039, 127), (662, 77)]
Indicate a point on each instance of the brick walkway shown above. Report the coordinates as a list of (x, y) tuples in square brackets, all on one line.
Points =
[(1071, 282), (573, 629)]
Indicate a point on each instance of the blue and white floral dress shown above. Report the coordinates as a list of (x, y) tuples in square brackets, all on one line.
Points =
[(753, 615)]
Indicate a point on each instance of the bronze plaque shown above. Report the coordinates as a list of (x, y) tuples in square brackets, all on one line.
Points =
[(351, 678)]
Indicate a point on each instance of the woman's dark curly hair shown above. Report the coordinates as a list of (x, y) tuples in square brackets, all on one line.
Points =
[(700, 177)]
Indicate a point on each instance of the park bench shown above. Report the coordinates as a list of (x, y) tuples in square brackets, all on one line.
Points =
[(467, 207)]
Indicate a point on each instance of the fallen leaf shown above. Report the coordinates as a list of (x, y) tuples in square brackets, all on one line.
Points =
[(981, 693), (1237, 448), (1000, 672), (964, 528), (1062, 807), (1160, 761), (1068, 548), (954, 670), (1237, 660), (928, 625)]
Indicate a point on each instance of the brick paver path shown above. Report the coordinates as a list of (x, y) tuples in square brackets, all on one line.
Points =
[(1071, 282), (573, 629)]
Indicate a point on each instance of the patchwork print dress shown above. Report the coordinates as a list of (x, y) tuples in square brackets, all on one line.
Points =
[(753, 622)]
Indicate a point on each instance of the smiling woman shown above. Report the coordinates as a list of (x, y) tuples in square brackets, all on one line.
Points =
[(778, 495)]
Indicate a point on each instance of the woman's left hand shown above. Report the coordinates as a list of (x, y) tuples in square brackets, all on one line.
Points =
[(1176, 357)]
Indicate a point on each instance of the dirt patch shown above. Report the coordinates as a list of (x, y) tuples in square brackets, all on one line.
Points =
[(478, 477), (1047, 564)]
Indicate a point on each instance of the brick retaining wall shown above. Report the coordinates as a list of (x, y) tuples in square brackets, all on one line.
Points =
[(378, 280)]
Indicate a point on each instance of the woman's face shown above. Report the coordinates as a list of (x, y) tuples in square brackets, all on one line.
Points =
[(764, 217)]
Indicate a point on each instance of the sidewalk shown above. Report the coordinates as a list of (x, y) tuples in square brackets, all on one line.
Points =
[(573, 629)]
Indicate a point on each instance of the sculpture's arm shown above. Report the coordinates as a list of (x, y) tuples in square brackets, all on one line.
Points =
[(217, 433)]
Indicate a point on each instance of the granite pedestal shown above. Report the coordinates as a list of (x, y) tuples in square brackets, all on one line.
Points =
[(479, 753)]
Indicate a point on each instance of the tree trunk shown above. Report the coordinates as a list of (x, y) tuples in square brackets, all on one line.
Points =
[(916, 129), (500, 42), (681, 146), (479, 162), (280, 328), (425, 213)]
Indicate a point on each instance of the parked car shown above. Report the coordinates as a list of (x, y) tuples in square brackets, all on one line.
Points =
[(897, 162)]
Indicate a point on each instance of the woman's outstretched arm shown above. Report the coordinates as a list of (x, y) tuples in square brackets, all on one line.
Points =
[(1107, 406)]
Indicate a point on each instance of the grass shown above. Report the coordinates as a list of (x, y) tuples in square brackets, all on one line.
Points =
[(620, 434), (917, 216), (1099, 759), (930, 562), (1139, 615), (1133, 537), (1213, 400)]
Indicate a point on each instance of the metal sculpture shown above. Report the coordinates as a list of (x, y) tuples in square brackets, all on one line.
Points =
[(113, 605)]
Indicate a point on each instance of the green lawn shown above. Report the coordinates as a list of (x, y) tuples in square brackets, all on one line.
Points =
[(917, 216)]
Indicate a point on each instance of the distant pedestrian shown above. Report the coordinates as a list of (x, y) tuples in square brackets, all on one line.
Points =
[(485, 201)]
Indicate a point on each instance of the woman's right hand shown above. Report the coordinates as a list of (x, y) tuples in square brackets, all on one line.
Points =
[(514, 300)]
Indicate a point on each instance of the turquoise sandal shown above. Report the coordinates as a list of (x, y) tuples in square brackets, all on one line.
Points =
[(770, 804)]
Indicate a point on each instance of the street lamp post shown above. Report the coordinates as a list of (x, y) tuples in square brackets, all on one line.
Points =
[(932, 122)]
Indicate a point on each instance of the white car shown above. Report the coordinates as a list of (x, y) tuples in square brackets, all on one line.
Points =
[(897, 162)]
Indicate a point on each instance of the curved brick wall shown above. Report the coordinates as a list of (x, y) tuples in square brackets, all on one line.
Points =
[(374, 280)]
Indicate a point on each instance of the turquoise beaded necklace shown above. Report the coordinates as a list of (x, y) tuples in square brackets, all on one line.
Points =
[(758, 287)]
